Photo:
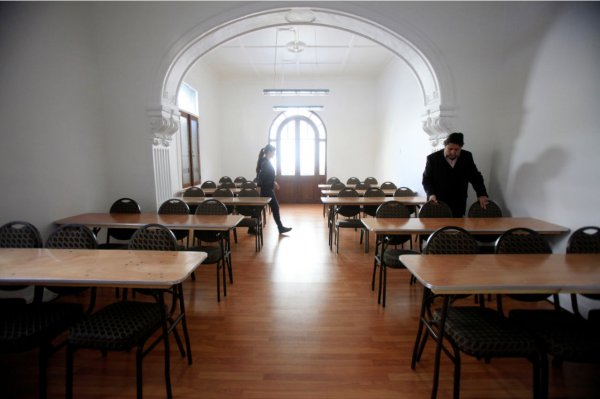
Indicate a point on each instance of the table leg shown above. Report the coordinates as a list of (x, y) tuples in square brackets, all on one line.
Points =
[(438, 348)]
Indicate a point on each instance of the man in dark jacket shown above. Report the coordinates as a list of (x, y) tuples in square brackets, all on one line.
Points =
[(448, 173)]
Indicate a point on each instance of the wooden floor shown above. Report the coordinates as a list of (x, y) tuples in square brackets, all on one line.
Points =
[(298, 322)]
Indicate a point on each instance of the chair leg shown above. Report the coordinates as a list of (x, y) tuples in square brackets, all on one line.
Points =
[(384, 288), (138, 372), (69, 372), (43, 355), (184, 327), (419, 330), (457, 369)]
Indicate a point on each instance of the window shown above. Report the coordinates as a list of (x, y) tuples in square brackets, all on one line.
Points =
[(187, 99), (299, 136), (190, 150)]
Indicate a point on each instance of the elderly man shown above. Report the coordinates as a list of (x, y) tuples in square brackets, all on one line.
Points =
[(448, 173)]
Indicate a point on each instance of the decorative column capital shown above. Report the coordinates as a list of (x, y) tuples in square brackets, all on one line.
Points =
[(437, 123), (164, 123)]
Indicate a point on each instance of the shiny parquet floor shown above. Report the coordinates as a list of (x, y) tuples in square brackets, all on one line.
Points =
[(299, 322)]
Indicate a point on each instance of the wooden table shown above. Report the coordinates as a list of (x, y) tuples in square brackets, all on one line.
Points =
[(391, 226), (450, 275), (105, 268), (332, 202), (232, 201), (334, 193), (210, 191)]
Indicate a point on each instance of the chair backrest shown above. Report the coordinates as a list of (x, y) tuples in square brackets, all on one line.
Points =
[(249, 184), (338, 185), (332, 180), (208, 184), (361, 186), (451, 240), (392, 209), (223, 192), (585, 240), (19, 234), (174, 206), (374, 192), (225, 179), (404, 192), (211, 207), (492, 210), (194, 192), (388, 185), (226, 184), (371, 181), (435, 210), (72, 236), (348, 210), (240, 179), (521, 240), (125, 205), (248, 192), (153, 237), (353, 180)]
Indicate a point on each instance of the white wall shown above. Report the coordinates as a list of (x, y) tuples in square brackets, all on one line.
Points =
[(52, 149), (402, 145), (349, 116)]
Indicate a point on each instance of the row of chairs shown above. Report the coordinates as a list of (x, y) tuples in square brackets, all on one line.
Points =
[(119, 326), (533, 334), (369, 181)]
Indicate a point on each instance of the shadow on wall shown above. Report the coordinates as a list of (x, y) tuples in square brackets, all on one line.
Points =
[(532, 180), (521, 49)]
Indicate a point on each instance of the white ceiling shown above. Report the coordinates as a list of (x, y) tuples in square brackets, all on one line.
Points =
[(329, 52)]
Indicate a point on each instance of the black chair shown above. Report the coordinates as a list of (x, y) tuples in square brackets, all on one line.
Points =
[(332, 180), (386, 247), (337, 185), (240, 179), (176, 206), (252, 215), (433, 210), (347, 216), (249, 184), (73, 236), (521, 240), (124, 325), (219, 255), (352, 180), (208, 184), (194, 192), (370, 210), (122, 205), (225, 179), (388, 185), (27, 326), (474, 330), (18, 234), (567, 336), (371, 181), (361, 186), (226, 184), (406, 192), (492, 211)]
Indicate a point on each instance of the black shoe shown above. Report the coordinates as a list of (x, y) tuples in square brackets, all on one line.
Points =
[(283, 230)]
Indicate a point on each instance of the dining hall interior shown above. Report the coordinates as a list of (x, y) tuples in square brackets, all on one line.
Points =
[(99, 101)]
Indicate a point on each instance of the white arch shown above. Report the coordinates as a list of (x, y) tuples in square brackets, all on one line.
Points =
[(434, 79)]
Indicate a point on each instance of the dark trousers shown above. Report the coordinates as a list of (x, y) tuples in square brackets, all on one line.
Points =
[(273, 204)]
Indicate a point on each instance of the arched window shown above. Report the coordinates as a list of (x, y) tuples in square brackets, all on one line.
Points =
[(299, 136)]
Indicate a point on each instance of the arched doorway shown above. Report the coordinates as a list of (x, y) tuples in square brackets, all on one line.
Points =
[(434, 80)]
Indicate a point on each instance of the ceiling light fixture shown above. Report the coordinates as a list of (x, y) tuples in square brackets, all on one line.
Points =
[(296, 46), (299, 107), (295, 92)]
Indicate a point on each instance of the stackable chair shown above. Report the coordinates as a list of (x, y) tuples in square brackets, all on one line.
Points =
[(252, 214), (128, 324), (347, 216), (387, 253), (477, 331), (492, 210), (175, 206), (23, 326), (122, 205)]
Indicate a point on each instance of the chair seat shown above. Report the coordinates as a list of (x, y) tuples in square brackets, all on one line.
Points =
[(350, 223), (22, 326), (391, 257), (111, 245), (483, 332), (563, 334), (118, 326), (213, 253), (248, 222)]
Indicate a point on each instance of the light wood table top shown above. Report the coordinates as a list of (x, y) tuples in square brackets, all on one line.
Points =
[(334, 193), (473, 225), (97, 267), (249, 201), (507, 274), (234, 190), (137, 220), (371, 200)]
